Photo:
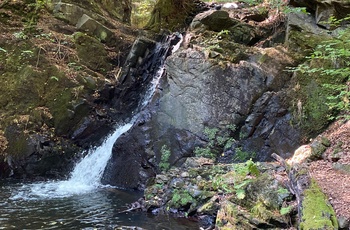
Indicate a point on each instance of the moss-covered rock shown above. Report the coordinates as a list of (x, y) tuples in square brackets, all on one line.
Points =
[(317, 213), (171, 15), (88, 47), (239, 195)]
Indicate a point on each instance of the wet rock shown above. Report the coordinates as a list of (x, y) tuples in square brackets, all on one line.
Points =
[(210, 207), (217, 194), (243, 33)]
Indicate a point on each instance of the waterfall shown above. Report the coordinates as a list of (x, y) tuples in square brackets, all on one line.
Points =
[(86, 175)]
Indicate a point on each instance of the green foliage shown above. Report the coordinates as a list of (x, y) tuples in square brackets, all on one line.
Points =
[(259, 210), (35, 9), (3, 50), (282, 190), (286, 210), (20, 35), (288, 10), (180, 198), (218, 142), (329, 65), (242, 156), (54, 78), (141, 12), (247, 168), (75, 66), (252, 168), (236, 181), (164, 164), (333, 22)]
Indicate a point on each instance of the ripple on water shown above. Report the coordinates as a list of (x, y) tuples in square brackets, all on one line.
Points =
[(23, 206)]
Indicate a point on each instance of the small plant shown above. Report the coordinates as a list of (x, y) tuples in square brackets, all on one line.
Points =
[(3, 50), (27, 53), (236, 182), (242, 156), (181, 198), (20, 35), (240, 192), (54, 78), (218, 142), (286, 210), (329, 65), (164, 164), (250, 167), (75, 66), (219, 183)]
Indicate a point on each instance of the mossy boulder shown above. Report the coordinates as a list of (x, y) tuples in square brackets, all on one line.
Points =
[(317, 213), (303, 34), (172, 15), (238, 195), (88, 47)]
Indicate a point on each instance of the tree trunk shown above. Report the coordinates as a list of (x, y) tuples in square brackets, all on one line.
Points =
[(127, 7)]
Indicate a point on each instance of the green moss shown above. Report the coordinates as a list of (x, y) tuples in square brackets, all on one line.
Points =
[(311, 111), (17, 143), (88, 47), (317, 213), (169, 14)]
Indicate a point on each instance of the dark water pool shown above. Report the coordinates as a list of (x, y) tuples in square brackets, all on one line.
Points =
[(99, 209)]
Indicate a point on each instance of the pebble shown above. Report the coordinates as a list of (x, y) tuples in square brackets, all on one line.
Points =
[(185, 174)]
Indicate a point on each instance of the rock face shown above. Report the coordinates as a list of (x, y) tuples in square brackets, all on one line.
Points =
[(200, 92), (213, 82), (324, 9)]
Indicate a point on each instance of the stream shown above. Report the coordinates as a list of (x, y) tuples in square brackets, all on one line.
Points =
[(21, 207), (82, 201)]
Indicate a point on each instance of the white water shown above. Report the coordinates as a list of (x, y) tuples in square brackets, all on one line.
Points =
[(86, 176)]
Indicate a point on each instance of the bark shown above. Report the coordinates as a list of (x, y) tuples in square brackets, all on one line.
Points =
[(298, 180), (127, 7)]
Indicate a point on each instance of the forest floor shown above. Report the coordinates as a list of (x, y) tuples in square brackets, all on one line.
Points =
[(333, 171)]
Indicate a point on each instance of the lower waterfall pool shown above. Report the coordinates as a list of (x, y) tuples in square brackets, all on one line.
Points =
[(25, 206)]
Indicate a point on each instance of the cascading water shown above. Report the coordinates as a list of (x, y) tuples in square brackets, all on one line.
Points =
[(85, 177), (87, 174), (81, 202)]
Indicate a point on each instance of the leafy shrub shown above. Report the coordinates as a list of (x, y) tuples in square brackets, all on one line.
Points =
[(164, 164), (218, 142), (329, 65)]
